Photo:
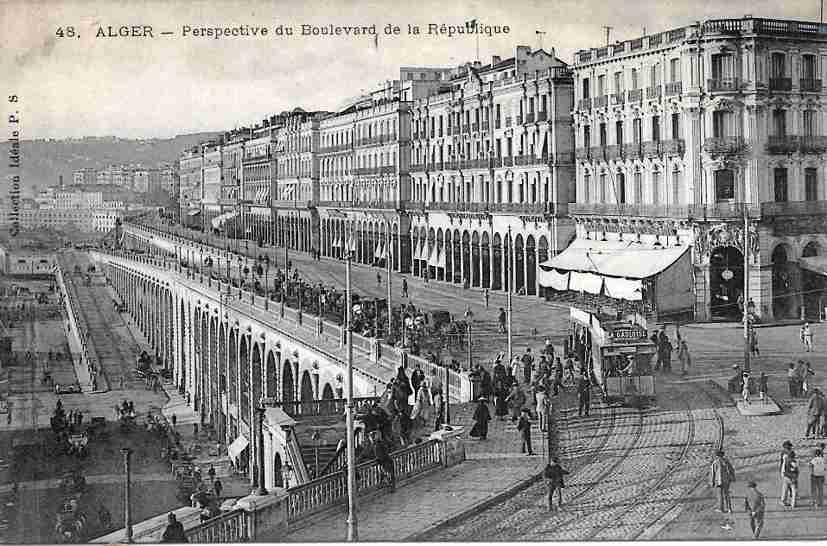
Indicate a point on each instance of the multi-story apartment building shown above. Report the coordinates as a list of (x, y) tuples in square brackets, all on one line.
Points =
[(365, 178), (493, 171), (259, 167), (190, 169), (211, 184), (232, 154), (169, 180), (698, 145), (297, 179), (84, 176)]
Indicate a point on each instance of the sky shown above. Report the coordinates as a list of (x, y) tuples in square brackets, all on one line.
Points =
[(71, 87)]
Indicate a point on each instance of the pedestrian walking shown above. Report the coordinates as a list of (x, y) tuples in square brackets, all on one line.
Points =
[(755, 505), (815, 407), (217, 486), (762, 387), (816, 465), (721, 476), (553, 474), (684, 357), (806, 372), (439, 410), (174, 531), (481, 418), (524, 426), (515, 401), (174, 420), (485, 296), (501, 319), (120, 382), (807, 337), (541, 399), (404, 287), (789, 476), (528, 364), (378, 279), (583, 394), (753, 343)]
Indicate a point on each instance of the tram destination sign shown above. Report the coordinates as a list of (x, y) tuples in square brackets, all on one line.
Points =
[(628, 333)]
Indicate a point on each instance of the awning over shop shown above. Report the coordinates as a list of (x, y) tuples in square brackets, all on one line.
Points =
[(630, 260), (421, 253), (432, 257), (816, 264), (553, 279), (624, 289), (237, 447), (585, 282)]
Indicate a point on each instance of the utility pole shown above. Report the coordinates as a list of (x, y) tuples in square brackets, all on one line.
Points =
[(508, 299), (608, 30), (127, 509), (389, 264), (746, 289), (352, 525)]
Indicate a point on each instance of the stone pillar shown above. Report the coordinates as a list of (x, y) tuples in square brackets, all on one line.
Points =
[(525, 268)]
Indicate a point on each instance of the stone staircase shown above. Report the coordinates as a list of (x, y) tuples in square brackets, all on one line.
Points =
[(322, 432)]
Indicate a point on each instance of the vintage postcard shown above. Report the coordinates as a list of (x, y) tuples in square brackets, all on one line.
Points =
[(286, 271)]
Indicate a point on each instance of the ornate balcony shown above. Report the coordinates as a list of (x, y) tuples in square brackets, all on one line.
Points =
[(653, 93), (809, 85), (519, 120), (725, 145), (582, 154), (601, 101), (392, 205), (672, 147), (508, 121), (529, 118), (598, 152), (781, 84), (475, 127), (786, 144), (542, 115), (419, 167), (635, 95), (618, 98), (723, 85), (614, 152), (625, 209), (633, 150), (651, 149), (524, 160), (794, 208), (724, 210), (813, 144), (673, 88)]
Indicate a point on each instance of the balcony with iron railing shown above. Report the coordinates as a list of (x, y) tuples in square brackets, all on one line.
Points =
[(370, 204), (475, 127), (725, 145), (614, 152), (782, 144), (793, 208), (584, 104), (673, 147), (542, 115), (600, 102), (809, 85), (645, 210), (525, 160), (673, 88), (529, 117), (781, 84), (597, 152), (515, 208), (651, 149), (654, 92), (813, 144), (634, 95), (724, 210), (419, 167), (723, 85), (633, 150), (583, 154), (508, 121), (618, 98)]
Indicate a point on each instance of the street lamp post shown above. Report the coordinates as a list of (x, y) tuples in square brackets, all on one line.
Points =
[(352, 525), (258, 474), (127, 509)]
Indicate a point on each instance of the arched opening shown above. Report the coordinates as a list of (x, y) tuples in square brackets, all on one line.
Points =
[(232, 366), (783, 284), (486, 260), (327, 392), (307, 387), (496, 282), (255, 372), (726, 279), (244, 379), (812, 284), (288, 387), (466, 257), (475, 259), (531, 266), (519, 264), (270, 374), (278, 479)]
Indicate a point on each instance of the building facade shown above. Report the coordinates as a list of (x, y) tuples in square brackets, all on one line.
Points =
[(711, 136), (492, 172), (211, 184), (190, 169), (259, 169)]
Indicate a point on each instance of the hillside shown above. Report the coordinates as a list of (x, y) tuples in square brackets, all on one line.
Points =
[(42, 161)]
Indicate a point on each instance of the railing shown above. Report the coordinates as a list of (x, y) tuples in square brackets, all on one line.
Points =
[(813, 144), (582, 154), (522, 160), (724, 210), (653, 92), (542, 115), (601, 102), (635, 95), (584, 104), (529, 117), (633, 150), (655, 40), (618, 98), (229, 527), (672, 147), (786, 144), (331, 489), (673, 88), (809, 85), (651, 148), (781, 84), (597, 152), (475, 127), (602, 52), (419, 167), (724, 145), (635, 44), (335, 406), (614, 151), (626, 209), (676, 35), (723, 85), (794, 208)]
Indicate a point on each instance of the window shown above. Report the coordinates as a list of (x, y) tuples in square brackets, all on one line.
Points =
[(779, 123), (586, 93), (675, 70), (808, 67), (724, 185), (654, 76), (621, 188), (722, 66), (531, 105), (676, 126), (601, 85), (587, 137), (809, 126), (636, 131), (655, 187), (618, 82), (587, 180), (656, 128), (777, 67), (543, 100), (810, 184), (619, 133), (603, 187), (780, 184), (718, 124), (638, 187), (602, 135), (634, 79), (676, 187)]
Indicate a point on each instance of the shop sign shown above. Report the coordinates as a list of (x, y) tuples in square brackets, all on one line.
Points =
[(628, 333)]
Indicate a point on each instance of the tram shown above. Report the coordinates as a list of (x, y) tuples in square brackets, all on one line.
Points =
[(619, 354)]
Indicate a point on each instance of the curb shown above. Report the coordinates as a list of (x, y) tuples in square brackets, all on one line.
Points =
[(476, 508)]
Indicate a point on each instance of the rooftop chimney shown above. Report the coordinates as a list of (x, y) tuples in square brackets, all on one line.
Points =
[(495, 59)]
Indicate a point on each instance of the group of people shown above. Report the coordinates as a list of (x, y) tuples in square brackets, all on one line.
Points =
[(664, 349)]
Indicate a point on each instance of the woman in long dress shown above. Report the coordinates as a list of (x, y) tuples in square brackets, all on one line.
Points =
[(481, 418), (422, 407)]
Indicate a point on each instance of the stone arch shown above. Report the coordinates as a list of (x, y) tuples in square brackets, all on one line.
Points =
[(288, 387), (726, 279), (531, 266), (244, 379), (784, 281), (497, 250), (327, 392), (306, 387), (232, 365), (813, 284), (519, 263), (475, 259), (256, 373), (271, 375), (485, 250)]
